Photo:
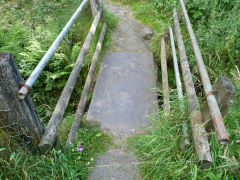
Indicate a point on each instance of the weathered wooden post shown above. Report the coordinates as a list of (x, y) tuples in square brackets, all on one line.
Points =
[(165, 77), (199, 134), (17, 117), (94, 6), (224, 92), (83, 100)]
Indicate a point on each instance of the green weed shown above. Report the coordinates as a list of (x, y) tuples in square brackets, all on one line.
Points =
[(161, 157)]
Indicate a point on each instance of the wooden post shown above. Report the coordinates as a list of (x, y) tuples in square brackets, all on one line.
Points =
[(199, 134), (82, 104), (224, 93), (94, 7), (50, 133), (18, 117), (165, 77)]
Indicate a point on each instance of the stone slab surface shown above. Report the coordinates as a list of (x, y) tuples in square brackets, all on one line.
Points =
[(124, 92)]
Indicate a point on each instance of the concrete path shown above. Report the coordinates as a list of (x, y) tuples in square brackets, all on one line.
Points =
[(123, 98)]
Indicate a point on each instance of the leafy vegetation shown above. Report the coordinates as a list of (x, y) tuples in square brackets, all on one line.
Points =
[(27, 29), (216, 26)]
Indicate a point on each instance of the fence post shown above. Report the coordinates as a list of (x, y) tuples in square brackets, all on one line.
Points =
[(17, 117), (83, 100), (224, 93)]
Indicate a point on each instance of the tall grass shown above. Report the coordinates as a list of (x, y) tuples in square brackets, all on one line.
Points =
[(162, 158)]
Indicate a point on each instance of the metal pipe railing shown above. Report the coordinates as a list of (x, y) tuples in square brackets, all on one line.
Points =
[(41, 65), (185, 140), (212, 102)]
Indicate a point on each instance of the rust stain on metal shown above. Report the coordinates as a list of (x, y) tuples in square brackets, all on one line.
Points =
[(26, 86), (210, 93), (222, 134)]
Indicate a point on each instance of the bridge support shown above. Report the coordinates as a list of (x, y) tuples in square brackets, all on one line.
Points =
[(18, 118)]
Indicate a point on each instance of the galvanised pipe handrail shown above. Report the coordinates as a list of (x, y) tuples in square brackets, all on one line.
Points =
[(176, 70), (212, 102), (41, 65), (185, 141)]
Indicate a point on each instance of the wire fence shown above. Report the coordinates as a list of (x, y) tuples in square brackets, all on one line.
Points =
[(13, 129)]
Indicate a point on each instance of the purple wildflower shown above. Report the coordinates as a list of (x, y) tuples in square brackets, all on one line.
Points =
[(79, 149)]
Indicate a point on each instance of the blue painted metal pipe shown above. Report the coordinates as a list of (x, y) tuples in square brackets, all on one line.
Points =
[(41, 65)]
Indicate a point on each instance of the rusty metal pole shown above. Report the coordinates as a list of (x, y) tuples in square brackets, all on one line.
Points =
[(200, 139), (185, 141), (212, 102), (165, 77)]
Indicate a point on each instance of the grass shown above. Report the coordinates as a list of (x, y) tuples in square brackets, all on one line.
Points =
[(161, 157), (60, 163)]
